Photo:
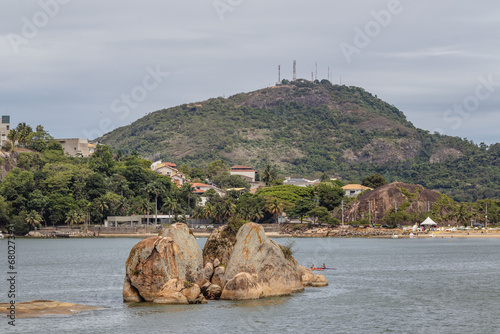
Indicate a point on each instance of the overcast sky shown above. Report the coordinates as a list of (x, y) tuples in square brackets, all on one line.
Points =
[(82, 68)]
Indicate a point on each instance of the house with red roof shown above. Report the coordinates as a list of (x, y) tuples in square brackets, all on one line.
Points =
[(246, 172)]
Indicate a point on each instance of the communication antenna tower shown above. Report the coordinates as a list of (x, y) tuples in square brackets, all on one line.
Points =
[(294, 70), (279, 73), (316, 71), (328, 73), (312, 76)]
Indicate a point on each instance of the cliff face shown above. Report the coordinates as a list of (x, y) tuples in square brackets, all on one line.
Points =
[(8, 161), (411, 198)]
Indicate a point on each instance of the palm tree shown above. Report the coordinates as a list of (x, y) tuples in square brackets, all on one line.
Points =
[(75, 217), (269, 174), (276, 206), (156, 188), (199, 212), (33, 218), (463, 214), (101, 205), (13, 136)]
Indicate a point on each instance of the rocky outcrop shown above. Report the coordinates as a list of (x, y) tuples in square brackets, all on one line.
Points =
[(412, 198), (242, 286), (178, 291), (169, 268), (270, 273), (319, 281), (153, 262), (213, 291), (38, 308)]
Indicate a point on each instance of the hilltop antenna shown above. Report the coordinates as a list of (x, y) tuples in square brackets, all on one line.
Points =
[(328, 73), (316, 71), (279, 73), (312, 76), (294, 70)]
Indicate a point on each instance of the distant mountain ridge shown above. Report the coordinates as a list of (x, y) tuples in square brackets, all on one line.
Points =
[(307, 128)]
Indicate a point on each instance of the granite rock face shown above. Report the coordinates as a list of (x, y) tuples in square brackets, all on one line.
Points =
[(270, 273), (154, 261)]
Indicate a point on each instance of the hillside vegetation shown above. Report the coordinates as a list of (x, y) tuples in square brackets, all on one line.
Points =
[(307, 128)]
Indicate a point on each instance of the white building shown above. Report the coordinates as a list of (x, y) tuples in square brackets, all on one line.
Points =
[(244, 171), (4, 130), (353, 190)]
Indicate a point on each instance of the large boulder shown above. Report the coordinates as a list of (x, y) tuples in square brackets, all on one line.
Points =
[(189, 260), (178, 291), (154, 261), (213, 291), (218, 277), (219, 246), (319, 281), (242, 286), (306, 276), (271, 268)]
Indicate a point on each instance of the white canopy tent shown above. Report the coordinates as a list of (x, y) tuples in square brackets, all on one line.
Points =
[(429, 222)]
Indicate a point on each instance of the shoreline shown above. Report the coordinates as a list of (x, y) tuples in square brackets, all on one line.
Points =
[(434, 235)]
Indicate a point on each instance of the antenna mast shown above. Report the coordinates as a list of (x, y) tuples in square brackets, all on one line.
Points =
[(316, 71), (279, 74), (294, 70)]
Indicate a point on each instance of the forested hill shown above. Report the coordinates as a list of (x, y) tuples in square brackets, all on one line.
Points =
[(307, 128)]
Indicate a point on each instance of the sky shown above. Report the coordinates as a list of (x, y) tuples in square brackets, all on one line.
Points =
[(83, 68)]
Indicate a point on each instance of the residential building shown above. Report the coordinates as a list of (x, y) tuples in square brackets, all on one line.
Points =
[(201, 188), (246, 172), (301, 182), (4, 130), (76, 146), (169, 169), (353, 190)]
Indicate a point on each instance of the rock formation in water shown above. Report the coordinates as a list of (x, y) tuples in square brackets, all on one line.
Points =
[(219, 246), (169, 268), (271, 270), (38, 308), (159, 267)]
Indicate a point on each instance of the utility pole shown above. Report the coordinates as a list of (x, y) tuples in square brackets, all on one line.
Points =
[(370, 212), (342, 212), (486, 217), (294, 70)]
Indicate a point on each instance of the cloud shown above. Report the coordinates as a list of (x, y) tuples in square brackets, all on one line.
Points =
[(92, 52)]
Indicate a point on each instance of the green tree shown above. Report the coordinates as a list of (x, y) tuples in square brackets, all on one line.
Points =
[(301, 208), (102, 160), (329, 194), (33, 218), (269, 174), (276, 206), (374, 181)]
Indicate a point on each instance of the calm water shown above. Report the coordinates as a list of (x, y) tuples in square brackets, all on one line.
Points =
[(380, 286)]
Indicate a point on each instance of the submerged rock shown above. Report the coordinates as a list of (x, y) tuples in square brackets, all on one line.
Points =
[(154, 261), (38, 308)]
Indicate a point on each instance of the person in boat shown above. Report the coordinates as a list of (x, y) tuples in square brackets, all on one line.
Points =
[(312, 266), (324, 266)]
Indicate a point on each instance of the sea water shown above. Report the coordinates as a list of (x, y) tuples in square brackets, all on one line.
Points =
[(379, 286)]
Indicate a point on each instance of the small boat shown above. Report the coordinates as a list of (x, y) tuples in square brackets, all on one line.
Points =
[(394, 236), (321, 269)]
